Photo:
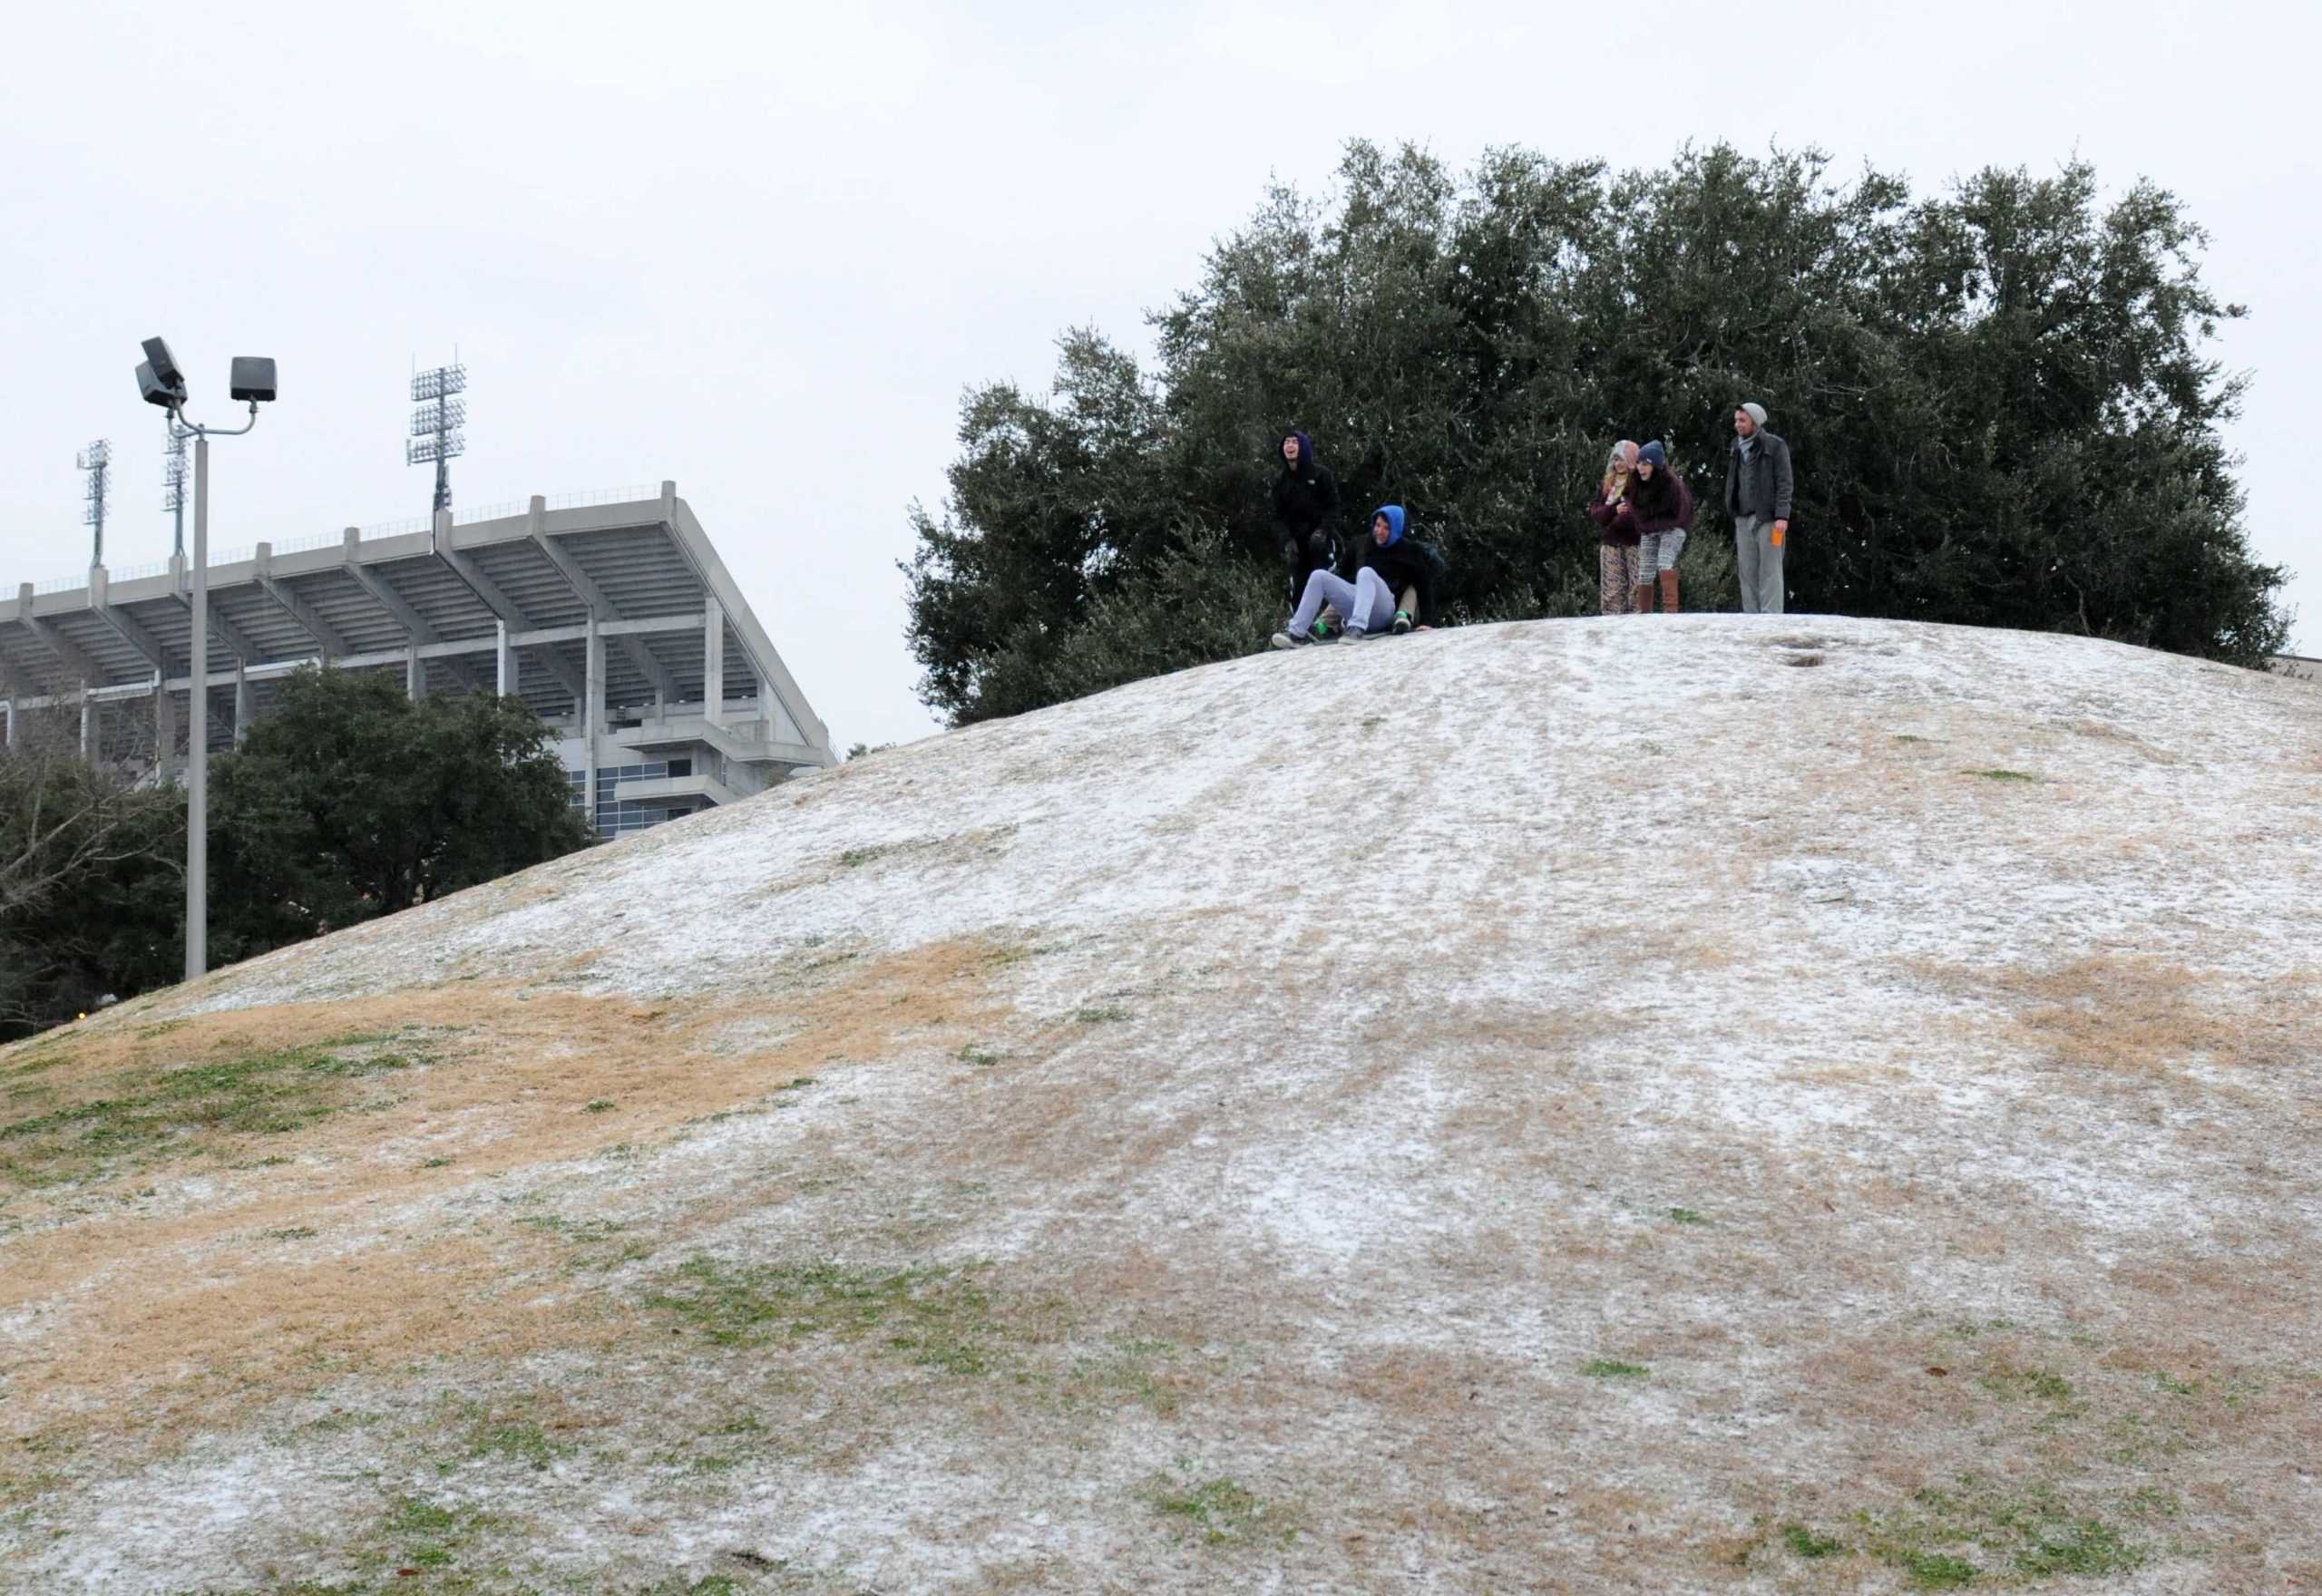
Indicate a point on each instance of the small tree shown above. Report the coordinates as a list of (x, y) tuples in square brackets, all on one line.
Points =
[(91, 879), (348, 801)]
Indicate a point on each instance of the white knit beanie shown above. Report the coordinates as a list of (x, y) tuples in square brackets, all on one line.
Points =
[(1756, 412)]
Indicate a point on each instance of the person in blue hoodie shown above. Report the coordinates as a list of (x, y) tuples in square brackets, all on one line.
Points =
[(1393, 590)]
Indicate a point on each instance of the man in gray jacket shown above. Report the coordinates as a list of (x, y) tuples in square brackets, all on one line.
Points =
[(1756, 496)]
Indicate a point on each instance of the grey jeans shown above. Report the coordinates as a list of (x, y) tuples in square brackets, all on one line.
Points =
[(1757, 561)]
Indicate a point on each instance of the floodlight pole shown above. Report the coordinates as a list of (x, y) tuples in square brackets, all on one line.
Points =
[(196, 763)]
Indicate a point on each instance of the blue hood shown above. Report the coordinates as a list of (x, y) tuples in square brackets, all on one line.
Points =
[(1394, 514), (1306, 449)]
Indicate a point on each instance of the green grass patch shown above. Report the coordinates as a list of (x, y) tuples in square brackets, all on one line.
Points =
[(1103, 1014), (147, 1113), (1220, 1510), (520, 1440), (2003, 775), (1687, 1216), (1934, 1570), (601, 1106), (2013, 1384), (1125, 1370), (981, 1058), (935, 1318), (1979, 1529), (423, 1534), (1805, 1543), (1605, 1368)]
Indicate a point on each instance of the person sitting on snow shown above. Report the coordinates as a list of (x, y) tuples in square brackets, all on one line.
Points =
[(1393, 589)]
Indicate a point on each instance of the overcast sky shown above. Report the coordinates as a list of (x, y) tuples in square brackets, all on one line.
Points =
[(761, 250)]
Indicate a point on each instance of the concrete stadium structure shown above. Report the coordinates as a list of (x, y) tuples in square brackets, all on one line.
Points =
[(615, 620)]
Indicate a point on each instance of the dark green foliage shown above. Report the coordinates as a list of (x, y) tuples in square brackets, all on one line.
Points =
[(91, 888), (348, 801), (1998, 401), (345, 802)]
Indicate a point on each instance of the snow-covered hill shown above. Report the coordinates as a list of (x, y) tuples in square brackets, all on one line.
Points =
[(1705, 1102)]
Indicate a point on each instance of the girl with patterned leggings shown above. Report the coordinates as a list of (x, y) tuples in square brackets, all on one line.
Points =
[(1617, 532), (1663, 508)]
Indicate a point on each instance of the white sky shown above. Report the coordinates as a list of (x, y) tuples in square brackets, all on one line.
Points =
[(763, 249)]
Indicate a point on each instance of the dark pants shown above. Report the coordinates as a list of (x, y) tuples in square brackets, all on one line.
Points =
[(1318, 550)]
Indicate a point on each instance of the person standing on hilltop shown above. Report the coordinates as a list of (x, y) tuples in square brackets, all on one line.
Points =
[(1615, 522), (1305, 507), (1756, 496), (1393, 590), (1660, 508)]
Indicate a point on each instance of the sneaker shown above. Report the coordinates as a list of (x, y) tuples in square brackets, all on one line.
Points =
[(1402, 622), (1291, 640), (1355, 634)]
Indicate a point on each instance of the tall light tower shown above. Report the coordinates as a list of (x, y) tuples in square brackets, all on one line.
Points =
[(173, 464), (97, 460), (437, 414), (250, 381)]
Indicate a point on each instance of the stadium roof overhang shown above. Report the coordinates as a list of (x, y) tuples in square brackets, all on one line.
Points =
[(640, 571)]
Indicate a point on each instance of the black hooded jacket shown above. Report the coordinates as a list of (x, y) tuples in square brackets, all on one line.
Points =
[(1305, 501)]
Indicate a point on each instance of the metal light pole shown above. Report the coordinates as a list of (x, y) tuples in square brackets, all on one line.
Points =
[(197, 780), (160, 382)]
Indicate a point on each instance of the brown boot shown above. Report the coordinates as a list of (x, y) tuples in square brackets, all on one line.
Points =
[(1641, 602), (1668, 592)]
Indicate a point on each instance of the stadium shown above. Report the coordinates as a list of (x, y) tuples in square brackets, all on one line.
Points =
[(610, 614)]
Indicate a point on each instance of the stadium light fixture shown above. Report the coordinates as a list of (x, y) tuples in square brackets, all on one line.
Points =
[(436, 418), (161, 381)]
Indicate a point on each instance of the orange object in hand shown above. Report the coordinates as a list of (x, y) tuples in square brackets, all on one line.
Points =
[(1777, 537)]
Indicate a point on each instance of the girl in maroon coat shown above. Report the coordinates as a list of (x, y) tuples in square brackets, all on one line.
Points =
[(1662, 509), (1617, 532)]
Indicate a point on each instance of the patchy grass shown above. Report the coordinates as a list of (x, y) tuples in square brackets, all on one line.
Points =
[(600, 1105), (1687, 1216), (422, 1535), (521, 1440), (1605, 1368), (981, 1058), (934, 1318), (1220, 1511), (1806, 1543), (1980, 1528), (145, 1111), (1102, 1014), (2002, 775), (1126, 1370), (2010, 1384)]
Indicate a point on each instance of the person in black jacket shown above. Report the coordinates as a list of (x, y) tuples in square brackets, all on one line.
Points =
[(1305, 506), (1394, 587)]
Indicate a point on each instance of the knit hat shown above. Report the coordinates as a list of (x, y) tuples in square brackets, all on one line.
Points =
[(1623, 455), (1394, 514), (1655, 456), (1756, 412)]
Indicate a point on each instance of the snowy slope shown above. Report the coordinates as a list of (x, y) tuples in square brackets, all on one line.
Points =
[(1522, 1107)]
